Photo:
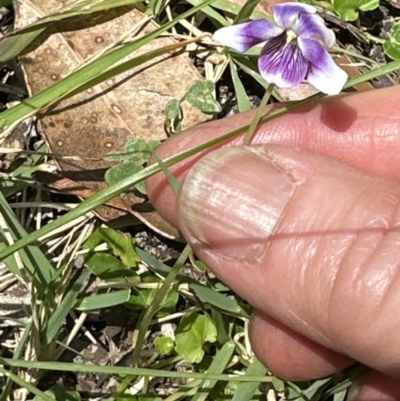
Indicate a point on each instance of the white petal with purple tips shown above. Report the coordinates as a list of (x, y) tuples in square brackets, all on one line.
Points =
[(243, 36), (282, 63), (324, 74), (286, 14)]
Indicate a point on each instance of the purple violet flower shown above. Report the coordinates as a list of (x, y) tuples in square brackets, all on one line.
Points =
[(294, 50)]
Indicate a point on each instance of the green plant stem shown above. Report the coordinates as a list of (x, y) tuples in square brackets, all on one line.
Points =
[(259, 114)]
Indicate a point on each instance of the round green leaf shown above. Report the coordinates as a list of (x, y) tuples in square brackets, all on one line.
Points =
[(392, 45)]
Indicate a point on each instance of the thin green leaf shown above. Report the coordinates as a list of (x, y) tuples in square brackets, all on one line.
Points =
[(173, 181), (218, 365), (155, 6), (234, 8), (247, 10), (66, 305), (101, 301), (241, 95), (210, 12), (24, 384), (221, 323), (245, 391), (40, 270), (26, 333), (122, 370), (11, 46), (217, 299)]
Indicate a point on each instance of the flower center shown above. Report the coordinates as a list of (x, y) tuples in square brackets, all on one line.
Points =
[(290, 36)]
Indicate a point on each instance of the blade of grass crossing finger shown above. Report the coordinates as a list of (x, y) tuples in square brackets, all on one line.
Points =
[(88, 72), (24, 384), (40, 270), (246, 391), (108, 193), (66, 305), (218, 365), (173, 181), (246, 11), (241, 95)]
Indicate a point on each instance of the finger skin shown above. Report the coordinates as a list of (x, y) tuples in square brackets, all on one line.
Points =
[(374, 386), (330, 269), (294, 357), (290, 355), (360, 129)]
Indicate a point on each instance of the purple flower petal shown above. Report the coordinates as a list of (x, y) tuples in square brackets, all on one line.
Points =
[(313, 26), (324, 74), (286, 14), (243, 36), (282, 63)]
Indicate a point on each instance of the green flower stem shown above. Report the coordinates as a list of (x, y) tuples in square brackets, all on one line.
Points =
[(258, 116)]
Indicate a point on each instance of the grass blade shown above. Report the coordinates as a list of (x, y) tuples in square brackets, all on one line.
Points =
[(241, 95), (66, 305), (217, 366), (40, 270), (245, 391), (101, 301), (24, 384), (246, 11), (123, 370)]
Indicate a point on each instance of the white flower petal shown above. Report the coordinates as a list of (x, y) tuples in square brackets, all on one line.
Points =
[(324, 74), (243, 36), (286, 14), (313, 26)]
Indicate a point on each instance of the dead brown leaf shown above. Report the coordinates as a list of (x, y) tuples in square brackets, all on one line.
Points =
[(103, 118)]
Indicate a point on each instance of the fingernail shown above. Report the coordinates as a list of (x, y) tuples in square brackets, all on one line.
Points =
[(233, 199)]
